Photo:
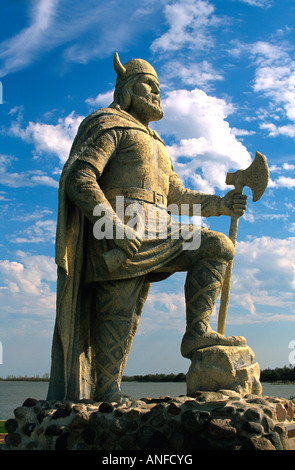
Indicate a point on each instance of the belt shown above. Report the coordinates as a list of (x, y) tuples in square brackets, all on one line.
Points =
[(137, 193)]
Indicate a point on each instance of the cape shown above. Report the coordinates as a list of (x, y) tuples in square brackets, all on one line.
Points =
[(72, 368)]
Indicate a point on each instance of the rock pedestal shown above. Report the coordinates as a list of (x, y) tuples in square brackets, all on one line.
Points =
[(210, 421), (220, 367)]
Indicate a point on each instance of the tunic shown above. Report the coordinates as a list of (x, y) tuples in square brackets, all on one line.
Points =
[(131, 168)]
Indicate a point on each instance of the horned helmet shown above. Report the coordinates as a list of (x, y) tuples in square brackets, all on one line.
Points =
[(132, 68)]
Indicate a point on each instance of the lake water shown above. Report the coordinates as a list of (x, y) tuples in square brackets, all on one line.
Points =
[(13, 394)]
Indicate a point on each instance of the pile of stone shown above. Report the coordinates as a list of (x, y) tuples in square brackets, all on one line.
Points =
[(210, 420)]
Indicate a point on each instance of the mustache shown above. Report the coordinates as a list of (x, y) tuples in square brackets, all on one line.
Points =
[(156, 99)]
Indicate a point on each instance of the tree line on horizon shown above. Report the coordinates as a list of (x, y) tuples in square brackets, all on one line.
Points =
[(279, 374)]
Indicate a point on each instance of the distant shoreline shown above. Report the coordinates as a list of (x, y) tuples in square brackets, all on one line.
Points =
[(149, 378), (180, 377), (279, 375), (25, 379)]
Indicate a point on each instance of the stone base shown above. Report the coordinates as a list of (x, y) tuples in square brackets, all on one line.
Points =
[(210, 421), (221, 367)]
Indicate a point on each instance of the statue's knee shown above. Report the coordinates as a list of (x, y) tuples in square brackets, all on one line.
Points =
[(227, 247), (220, 246)]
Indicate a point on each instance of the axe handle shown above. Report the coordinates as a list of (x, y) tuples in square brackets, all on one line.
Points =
[(224, 300)]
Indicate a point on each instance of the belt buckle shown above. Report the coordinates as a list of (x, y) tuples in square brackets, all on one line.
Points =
[(158, 198)]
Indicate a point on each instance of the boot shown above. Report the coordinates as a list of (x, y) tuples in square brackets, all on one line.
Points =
[(203, 284), (113, 340), (120, 307)]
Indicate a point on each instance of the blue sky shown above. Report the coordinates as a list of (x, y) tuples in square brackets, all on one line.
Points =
[(226, 69)]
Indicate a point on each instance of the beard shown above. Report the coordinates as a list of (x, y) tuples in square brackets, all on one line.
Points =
[(148, 107)]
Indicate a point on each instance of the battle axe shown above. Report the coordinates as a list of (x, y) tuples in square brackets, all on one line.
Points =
[(256, 177)]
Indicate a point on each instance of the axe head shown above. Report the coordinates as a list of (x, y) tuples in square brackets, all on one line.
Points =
[(256, 177)]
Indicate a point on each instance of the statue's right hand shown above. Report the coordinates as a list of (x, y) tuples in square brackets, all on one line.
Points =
[(128, 240)]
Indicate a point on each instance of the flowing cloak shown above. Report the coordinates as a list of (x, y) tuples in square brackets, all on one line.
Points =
[(72, 368)]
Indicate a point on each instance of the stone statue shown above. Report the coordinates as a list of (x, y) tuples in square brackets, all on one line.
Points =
[(116, 156)]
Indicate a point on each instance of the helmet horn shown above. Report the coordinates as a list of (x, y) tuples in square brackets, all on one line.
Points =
[(119, 68)]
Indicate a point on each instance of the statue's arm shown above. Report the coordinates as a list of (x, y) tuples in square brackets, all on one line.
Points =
[(82, 183), (83, 190), (231, 204), (211, 205)]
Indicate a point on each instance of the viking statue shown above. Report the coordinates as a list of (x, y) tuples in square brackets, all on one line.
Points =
[(115, 155)]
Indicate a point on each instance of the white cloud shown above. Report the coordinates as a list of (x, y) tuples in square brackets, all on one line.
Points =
[(290, 206), (205, 142), (104, 27), (38, 213), (262, 290), (20, 50), (25, 287), (291, 227), (264, 278), (200, 74), (282, 181), (241, 132), (25, 178), (49, 138), (3, 196), (165, 306), (43, 231), (275, 79), (275, 130), (102, 99), (190, 22), (288, 167), (249, 216), (258, 3), (82, 32)]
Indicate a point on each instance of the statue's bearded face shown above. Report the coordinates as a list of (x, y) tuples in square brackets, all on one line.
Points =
[(145, 99)]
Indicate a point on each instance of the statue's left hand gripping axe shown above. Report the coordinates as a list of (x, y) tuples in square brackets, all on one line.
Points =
[(256, 176)]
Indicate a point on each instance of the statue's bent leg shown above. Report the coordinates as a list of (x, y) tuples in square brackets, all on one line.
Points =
[(203, 284), (119, 304)]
